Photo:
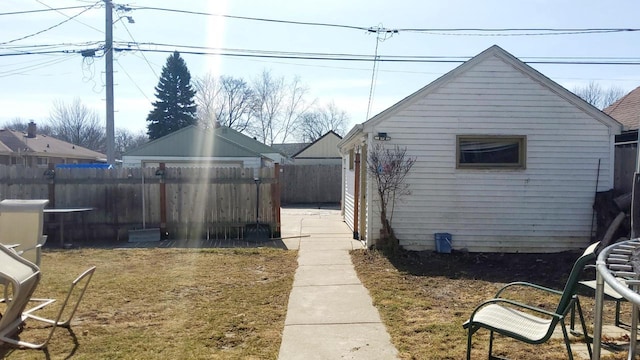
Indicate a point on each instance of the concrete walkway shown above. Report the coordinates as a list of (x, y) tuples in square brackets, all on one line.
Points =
[(330, 313)]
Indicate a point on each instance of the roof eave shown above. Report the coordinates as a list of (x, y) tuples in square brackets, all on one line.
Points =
[(351, 134)]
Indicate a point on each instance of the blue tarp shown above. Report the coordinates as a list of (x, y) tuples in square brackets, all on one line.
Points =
[(84, 166)]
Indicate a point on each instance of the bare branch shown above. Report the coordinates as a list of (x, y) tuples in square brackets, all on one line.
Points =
[(278, 107), (597, 96), (389, 168), (77, 124), (321, 120)]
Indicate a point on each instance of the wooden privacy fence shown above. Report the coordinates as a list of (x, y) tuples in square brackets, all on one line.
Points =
[(306, 184), (625, 166), (183, 202)]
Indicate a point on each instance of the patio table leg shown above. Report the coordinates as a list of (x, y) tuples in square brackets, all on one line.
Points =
[(597, 326)]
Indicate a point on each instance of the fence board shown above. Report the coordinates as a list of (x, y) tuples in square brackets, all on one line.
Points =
[(625, 165), (200, 201), (310, 184)]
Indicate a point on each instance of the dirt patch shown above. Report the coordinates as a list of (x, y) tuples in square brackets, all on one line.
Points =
[(550, 270), (425, 297)]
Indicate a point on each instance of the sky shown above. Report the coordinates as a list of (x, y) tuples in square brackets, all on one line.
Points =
[(31, 83)]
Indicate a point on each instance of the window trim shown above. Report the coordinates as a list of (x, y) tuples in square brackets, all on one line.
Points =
[(522, 153)]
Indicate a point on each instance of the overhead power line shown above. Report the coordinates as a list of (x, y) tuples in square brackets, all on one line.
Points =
[(16, 47), (518, 31), (138, 46), (44, 10), (354, 58), (432, 31), (41, 52), (76, 20), (248, 18), (379, 58), (25, 70), (215, 51), (53, 26), (270, 54)]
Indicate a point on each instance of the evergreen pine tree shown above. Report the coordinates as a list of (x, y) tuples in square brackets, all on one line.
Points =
[(175, 107)]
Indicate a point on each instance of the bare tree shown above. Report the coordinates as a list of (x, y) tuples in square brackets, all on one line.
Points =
[(278, 107), (612, 95), (389, 168), (237, 103), (267, 105), (226, 100), (207, 94), (319, 121), (16, 124), (20, 124), (77, 124), (126, 140), (598, 96)]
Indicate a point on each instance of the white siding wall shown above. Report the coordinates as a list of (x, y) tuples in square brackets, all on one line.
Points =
[(349, 195), (544, 208), (323, 152), (373, 214), (326, 147)]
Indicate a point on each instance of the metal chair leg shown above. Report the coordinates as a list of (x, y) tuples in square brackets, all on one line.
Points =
[(566, 339), (583, 323), (490, 345), (469, 343), (572, 321)]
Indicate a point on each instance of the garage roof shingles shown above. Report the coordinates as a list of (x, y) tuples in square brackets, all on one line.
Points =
[(626, 110)]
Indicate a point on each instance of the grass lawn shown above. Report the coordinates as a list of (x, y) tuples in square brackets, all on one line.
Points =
[(424, 298), (168, 304)]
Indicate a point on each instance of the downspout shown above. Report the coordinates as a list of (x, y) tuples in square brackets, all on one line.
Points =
[(369, 191), (343, 175)]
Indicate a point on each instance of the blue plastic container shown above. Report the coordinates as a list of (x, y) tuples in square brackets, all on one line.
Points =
[(443, 242)]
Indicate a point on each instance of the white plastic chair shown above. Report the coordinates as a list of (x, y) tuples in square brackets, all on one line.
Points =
[(20, 278), (22, 223)]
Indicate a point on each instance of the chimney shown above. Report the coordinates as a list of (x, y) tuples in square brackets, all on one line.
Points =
[(31, 129)]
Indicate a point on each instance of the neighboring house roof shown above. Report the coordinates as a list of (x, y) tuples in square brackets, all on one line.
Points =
[(324, 137), (244, 140), (193, 141), (626, 110), (43, 145), (506, 57), (290, 149)]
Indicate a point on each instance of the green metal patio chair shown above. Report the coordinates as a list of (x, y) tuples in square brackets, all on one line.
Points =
[(528, 323)]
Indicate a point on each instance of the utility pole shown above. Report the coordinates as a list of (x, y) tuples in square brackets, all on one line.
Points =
[(108, 51), (382, 34)]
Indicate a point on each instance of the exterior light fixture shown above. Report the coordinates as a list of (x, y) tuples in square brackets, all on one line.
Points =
[(382, 136)]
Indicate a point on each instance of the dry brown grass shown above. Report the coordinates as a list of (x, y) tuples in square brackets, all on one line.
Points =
[(424, 298), (169, 303)]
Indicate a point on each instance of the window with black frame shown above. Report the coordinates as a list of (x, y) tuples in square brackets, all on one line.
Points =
[(487, 152)]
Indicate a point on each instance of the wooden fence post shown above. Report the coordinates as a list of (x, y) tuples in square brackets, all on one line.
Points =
[(275, 197), (50, 175), (163, 202)]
